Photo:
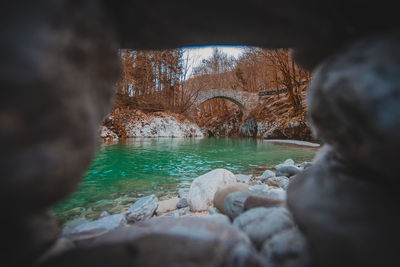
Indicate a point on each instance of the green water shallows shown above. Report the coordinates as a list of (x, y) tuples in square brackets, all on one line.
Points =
[(123, 171)]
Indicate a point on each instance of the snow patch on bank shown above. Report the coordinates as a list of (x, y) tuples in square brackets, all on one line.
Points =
[(165, 126), (107, 134), (266, 129)]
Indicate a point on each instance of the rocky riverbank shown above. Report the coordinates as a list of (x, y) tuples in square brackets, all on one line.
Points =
[(135, 123), (272, 128), (128, 123), (220, 206)]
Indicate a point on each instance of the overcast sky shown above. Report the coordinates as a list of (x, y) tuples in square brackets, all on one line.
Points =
[(197, 54)]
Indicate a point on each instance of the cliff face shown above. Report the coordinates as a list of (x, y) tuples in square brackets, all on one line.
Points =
[(272, 118), (275, 118), (295, 128), (222, 125)]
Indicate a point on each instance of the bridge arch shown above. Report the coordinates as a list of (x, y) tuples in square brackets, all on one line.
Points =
[(245, 100), (237, 102)]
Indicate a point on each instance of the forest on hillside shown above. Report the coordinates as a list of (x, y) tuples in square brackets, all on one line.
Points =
[(157, 80)]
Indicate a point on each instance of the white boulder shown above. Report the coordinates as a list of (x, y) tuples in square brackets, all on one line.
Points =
[(243, 178), (266, 175), (167, 205), (204, 187), (162, 125)]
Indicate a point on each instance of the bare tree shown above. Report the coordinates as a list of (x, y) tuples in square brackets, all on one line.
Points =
[(149, 79), (262, 69)]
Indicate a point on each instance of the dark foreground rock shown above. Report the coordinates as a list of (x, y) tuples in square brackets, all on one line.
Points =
[(218, 217), (166, 242), (286, 249), (70, 227), (103, 224), (354, 107), (254, 201)]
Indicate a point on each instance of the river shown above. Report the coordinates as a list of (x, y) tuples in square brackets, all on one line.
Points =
[(124, 171)]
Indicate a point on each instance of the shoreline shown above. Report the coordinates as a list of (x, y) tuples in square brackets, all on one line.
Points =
[(218, 205), (119, 202), (285, 141), (251, 179), (222, 205), (293, 142)]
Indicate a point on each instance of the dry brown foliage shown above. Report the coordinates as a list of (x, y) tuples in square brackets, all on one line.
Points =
[(153, 81)]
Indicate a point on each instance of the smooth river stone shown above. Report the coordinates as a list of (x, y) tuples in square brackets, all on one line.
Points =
[(142, 209), (274, 193), (279, 181), (267, 174), (261, 224), (167, 205), (221, 194), (243, 178), (234, 203), (182, 203), (286, 170)]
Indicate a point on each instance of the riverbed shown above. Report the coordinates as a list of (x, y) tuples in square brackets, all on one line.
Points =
[(124, 171)]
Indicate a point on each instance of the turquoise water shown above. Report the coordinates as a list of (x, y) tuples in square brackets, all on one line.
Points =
[(124, 171)]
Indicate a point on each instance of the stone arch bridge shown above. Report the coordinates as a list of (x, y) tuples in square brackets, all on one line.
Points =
[(245, 100)]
